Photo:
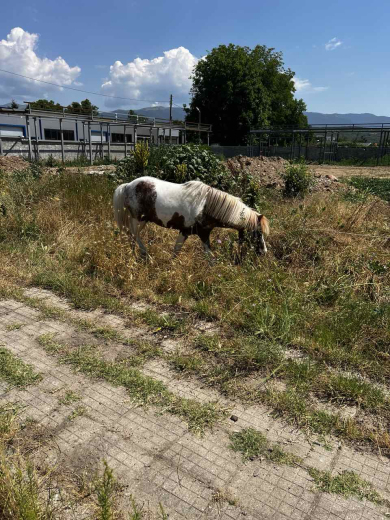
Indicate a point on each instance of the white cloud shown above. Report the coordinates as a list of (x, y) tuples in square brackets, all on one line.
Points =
[(304, 85), (333, 44), (18, 54), (152, 79)]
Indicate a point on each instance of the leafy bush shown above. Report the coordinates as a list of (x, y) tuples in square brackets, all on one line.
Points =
[(298, 180)]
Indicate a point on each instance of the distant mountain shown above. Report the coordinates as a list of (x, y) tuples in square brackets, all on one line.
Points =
[(317, 118), (157, 112), (314, 118)]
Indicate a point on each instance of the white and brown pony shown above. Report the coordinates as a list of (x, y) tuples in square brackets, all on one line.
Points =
[(191, 208)]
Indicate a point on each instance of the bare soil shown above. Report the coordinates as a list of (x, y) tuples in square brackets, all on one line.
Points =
[(11, 164), (269, 171), (351, 171)]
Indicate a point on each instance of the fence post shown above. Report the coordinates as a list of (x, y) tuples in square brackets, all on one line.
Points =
[(29, 138), (101, 141), (1, 146), (125, 140), (292, 153), (109, 141), (90, 143), (36, 140), (62, 141)]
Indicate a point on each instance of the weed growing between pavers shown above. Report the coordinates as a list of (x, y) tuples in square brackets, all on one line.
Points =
[(13, 326), (79, 411), (347, 484), (253, 445), (15, 372), (35, 492), (141, 388), (69, 398)]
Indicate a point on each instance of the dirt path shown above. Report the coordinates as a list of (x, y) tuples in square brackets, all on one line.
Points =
[(351, 171), (153, 455)]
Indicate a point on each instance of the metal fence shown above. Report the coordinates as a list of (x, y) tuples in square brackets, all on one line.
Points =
[(322, 143)]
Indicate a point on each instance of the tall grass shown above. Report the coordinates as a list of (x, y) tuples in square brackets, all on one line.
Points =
[(323, 289)]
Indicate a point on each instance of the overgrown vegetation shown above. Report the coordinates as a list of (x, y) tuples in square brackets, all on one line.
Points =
[(375, 186), (313, 314)]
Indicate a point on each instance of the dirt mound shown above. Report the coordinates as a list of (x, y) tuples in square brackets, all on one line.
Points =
[(269, 171), (11, 164)]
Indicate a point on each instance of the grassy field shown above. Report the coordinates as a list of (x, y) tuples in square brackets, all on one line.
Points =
[(305, 330), (379, 187)]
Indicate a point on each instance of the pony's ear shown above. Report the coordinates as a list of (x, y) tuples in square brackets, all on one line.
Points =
[(263, 224)]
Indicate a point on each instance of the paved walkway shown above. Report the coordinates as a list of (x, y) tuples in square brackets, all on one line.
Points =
[(155, 457)]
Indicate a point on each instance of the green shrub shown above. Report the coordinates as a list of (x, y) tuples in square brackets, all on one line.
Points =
[(298, 180)]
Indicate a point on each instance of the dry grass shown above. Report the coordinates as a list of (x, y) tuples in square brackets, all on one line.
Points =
[(30, 490), (323, 291)]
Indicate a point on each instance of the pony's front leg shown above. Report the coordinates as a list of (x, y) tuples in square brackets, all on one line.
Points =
[(179, 243), (204, 235)]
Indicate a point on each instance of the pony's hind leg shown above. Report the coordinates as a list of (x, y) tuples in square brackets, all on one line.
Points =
[(139, 226), (133, 231), (179, 243)]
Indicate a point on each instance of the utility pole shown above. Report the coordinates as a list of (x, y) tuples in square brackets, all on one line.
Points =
[(170, 107)]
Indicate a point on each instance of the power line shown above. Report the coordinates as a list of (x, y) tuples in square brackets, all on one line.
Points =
[(80, 90)]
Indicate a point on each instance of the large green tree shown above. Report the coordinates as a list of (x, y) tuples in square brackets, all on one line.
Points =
[(236, 88)]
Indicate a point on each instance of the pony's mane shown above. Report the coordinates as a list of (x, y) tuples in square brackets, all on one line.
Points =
[(225, 208)]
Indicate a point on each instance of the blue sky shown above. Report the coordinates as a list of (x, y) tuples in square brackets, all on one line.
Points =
[(339, 50)]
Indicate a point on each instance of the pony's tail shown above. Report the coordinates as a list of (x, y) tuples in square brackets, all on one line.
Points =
[(264, 225), (121, 213)]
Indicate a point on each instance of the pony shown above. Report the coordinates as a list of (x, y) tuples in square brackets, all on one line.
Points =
[(193, 208)]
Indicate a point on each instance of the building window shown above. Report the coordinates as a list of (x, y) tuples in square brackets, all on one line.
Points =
[(120, 138), (52, 134), (12, 131)]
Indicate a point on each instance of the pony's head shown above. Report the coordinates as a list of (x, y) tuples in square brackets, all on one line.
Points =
[(256, 236), (259, 233)]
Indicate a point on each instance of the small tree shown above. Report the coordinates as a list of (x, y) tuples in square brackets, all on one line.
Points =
[(85, 107), (45, 104), (14, 104)]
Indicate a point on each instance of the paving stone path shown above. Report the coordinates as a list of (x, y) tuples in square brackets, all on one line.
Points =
[(155, 457)]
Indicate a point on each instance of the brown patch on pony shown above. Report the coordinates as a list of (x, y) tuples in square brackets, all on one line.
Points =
[(146, 197), (177, 222)]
